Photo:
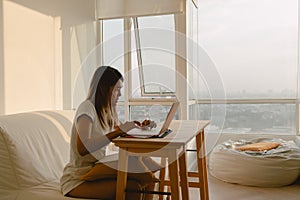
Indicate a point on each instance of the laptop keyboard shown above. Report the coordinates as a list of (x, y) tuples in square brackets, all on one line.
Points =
[(163, 134)]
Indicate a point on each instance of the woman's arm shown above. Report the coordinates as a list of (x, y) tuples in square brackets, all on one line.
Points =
[(86, 145)]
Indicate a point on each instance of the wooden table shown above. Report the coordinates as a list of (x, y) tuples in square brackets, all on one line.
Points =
[(172, 147)]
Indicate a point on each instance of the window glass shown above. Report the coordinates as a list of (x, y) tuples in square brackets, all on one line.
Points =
[(157, 43), (249, 118), (113, 45), (121, 112), (253, 44), (157, 113)]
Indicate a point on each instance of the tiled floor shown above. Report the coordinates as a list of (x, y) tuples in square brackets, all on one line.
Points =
[(219, 190)]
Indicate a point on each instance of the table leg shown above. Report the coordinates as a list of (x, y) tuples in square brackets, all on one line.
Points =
[(202, 169), (183, 177), (162, 176), (122, 174), (173, 173)]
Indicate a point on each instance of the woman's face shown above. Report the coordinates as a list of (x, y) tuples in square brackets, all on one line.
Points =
[(116, 92)]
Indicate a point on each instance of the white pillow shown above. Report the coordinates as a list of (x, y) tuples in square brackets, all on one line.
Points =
[(272, 168), (34, 147)]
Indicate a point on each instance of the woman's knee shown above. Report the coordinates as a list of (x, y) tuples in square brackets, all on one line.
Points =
[(104, 189)]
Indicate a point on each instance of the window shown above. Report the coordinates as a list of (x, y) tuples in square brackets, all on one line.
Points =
[(253, 45), (155, 39), (250, 48)]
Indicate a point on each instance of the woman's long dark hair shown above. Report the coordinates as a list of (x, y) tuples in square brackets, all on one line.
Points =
[(103, 81)]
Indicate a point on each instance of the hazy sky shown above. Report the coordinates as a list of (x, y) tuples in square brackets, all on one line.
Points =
[(252, 42)]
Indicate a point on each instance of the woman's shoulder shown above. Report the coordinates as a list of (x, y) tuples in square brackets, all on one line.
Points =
[(86, 103), (86, 107)]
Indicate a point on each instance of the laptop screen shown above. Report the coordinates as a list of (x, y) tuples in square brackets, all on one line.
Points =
[(169, 117), (155, 133)]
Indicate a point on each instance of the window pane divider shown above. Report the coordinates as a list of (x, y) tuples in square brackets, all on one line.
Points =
[(139, 54), (246, 101)]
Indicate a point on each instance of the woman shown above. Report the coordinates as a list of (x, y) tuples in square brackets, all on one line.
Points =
[(95, 125)]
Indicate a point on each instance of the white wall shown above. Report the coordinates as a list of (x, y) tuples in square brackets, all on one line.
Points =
[(28, 59), (42, 51), (1, 62)]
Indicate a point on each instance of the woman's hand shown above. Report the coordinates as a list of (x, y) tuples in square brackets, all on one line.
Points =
[(127, 126), (147, 124)]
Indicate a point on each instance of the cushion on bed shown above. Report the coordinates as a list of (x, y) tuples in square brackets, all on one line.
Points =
[(34, 147)]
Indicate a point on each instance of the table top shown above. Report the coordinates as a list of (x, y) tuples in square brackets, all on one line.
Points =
[(183, 131)]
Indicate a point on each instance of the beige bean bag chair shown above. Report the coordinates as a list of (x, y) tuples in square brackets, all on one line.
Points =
[(259, 162)]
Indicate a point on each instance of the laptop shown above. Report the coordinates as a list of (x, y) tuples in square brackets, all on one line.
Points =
[(154, 133)]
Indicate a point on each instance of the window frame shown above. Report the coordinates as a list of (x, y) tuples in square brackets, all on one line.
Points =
[(144, 93)]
